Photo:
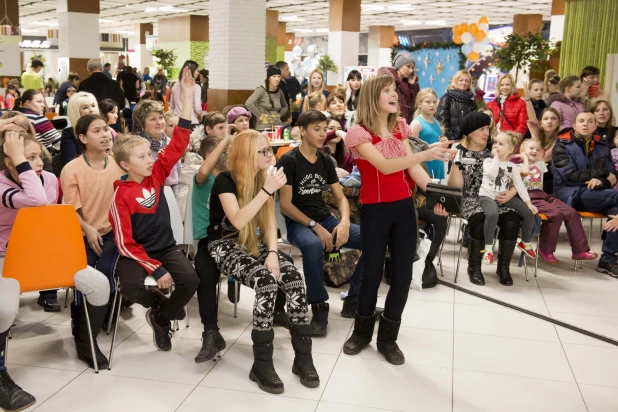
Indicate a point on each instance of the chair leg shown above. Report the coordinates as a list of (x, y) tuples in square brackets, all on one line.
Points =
[(462, 231), (236, 288), (111, 351), (6, 348), (536, 260), (114, 302), (187, 310), (66, 297), (94, 355)]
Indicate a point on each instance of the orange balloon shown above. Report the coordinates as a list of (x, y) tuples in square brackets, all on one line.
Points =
[(473, 28), (457, 39), (484, 19), (457, 30), (464, 27), (473, 56), (480, 35)]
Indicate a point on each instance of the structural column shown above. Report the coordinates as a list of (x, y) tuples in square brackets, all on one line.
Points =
[(236, 59), (380, 44), (9, 50), (281, 40), (142, 56), (556, 29), (188, 36), (290, 39), (343, 28), (272, 34), (78, 34), (524, 23)]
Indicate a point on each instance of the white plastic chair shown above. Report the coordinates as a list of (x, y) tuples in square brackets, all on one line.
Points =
[(175, 217)]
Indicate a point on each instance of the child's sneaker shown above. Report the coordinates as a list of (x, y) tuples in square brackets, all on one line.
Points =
[(488, 258), (527, 250)]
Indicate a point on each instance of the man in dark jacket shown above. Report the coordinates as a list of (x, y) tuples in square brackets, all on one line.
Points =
[(61, 93), (103, 87), (290, 86), (584, 176)]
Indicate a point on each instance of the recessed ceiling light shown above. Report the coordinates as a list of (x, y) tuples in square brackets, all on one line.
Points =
[(305, 30), (172, 8), (29, 31), (401, 7), (288, 18), (150, 9), (105, 21), (435, 23), (371, 7), (321, 30), (411, 22)]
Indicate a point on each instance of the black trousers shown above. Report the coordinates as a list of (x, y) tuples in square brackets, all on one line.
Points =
[(508, 223), (437, 231), (132, 276), (208, 274), (391, 224)]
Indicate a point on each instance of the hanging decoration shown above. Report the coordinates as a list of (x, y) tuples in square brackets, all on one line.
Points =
[(473, 38)]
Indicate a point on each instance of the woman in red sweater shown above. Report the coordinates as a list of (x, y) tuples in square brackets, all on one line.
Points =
[(379, 144), (509, 109)]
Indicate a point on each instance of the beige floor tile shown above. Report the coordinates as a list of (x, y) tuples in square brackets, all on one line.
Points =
[(593, 365), (600, 398)]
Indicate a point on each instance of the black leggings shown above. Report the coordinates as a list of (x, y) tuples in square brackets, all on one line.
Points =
[(508, 223), (437, 231), (391, 224)]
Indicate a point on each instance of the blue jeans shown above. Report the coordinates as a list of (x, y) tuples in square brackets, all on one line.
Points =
[(313, 257), (3, 336), (604, 201)]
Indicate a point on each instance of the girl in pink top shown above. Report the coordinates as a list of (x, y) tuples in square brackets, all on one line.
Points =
[(23, 182), (176, 95), (380, 147)]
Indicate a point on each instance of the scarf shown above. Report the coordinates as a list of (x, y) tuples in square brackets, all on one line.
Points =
[(588, 143), (594, 90), (155, 145), (461, 96)]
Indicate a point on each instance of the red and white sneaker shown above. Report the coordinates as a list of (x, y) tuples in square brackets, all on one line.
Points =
[(528, 251), (488, 258)]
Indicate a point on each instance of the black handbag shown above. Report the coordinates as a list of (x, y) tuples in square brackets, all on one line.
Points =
[(451, 198)]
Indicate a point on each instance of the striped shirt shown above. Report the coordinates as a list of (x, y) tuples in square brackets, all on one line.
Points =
[(46, 133)]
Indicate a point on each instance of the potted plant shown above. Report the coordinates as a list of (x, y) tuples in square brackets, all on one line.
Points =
[(525, 52), (325, 65), (165, 58)]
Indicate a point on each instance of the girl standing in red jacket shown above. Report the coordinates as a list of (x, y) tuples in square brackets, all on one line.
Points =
[(509, 109)]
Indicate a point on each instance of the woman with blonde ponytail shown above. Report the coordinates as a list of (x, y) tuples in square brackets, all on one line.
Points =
[(242, 240)]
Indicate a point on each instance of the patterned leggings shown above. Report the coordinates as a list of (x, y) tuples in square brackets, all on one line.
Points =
[(233, 261)]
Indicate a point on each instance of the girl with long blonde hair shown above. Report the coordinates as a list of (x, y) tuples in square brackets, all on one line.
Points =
[(427, 128), (242, 239), (316, 87), (80, 104), (456, 103), (379, 144)]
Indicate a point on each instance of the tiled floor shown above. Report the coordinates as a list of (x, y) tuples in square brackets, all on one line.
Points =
[(462, 354)]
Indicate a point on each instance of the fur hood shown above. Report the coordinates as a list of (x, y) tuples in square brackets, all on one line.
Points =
[(559, 97)]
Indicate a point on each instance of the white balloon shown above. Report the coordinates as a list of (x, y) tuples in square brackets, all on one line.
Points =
[(484, 26), (466, 49), (297, 50), (466, 37), (307, 63), (311, 48), (486, 41), (478, 47)]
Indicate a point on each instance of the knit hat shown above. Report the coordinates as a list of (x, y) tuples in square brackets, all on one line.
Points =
[(474, 121), (402, 58), (237, 111), (271, 71)]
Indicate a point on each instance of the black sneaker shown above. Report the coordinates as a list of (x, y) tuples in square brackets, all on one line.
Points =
[(608, 268), (212, 344), (282, 319), (162, 335), (49, 304), (12, 397)]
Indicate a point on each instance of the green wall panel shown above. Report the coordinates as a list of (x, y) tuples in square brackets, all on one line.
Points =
[(186, 50), (280, 53), (271, 51), (590, 34)]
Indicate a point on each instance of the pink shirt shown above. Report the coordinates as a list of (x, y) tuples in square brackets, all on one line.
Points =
[(33, 191), (176, 102)]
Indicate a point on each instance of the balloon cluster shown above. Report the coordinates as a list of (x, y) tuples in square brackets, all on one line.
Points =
[(473, 36)]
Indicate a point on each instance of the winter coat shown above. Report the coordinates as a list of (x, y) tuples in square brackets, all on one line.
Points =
[(270, 104), (514, 115), (573, 167), (406, 93), (453, 106), (568, 109)]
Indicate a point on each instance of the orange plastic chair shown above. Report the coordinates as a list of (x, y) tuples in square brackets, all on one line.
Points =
[(46, 250), (283, 150)]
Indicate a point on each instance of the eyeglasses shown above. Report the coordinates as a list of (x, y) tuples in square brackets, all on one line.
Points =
[(266, 152)]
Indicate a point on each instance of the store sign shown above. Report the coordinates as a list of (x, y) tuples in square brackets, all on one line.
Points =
[(35, 44)]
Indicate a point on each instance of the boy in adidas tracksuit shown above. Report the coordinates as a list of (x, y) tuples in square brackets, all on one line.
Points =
[(143, 233)]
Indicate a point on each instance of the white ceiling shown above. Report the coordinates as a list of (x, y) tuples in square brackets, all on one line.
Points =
[(119, 16)]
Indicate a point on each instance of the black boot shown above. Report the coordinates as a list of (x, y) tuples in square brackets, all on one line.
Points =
[(474, 261), (319, 321), (505, 253), (387, 341), (12, 397), (350, 304), (263, 371), (80, 332), (430, 276), (212, 344), (303, 361), (361, 337)]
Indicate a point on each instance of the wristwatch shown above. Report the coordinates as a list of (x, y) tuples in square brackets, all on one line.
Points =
[(311, 224)]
